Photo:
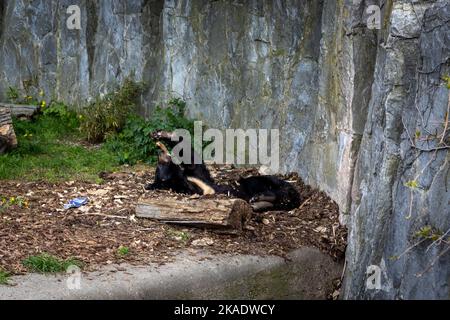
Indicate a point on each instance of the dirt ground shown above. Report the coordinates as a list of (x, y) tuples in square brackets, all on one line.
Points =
[(95, 232)]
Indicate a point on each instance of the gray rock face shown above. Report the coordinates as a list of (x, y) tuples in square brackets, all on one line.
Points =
[(341, 94), (409, 104)]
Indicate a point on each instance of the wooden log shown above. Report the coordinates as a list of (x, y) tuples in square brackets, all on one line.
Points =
[(21, 111), (8, 139), (221, 214)]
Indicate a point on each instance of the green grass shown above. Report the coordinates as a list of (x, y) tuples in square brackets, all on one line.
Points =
[(45, 263), (123, 251), (4, 277), (50, 149)]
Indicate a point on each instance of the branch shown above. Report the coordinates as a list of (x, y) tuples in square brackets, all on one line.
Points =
[(446, 121), (438, 240), (410, 248), (419, 275), (106, 216), (445, 147)]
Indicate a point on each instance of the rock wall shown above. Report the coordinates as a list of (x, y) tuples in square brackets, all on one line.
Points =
[(341, 94), (241, 64), (400, 147)]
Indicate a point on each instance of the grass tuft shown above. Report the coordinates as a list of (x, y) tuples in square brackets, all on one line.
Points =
[(46, 263), (4, 277), (123, 251)]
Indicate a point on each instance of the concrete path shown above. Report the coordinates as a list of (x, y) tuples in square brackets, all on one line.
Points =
[(307, 274)]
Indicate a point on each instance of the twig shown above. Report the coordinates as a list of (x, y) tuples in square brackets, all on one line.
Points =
[(410, 248), (426, 166), (438, 240), (419, 275), (411, 200), (106, 216), (419, 20), (407, 132), (305, 203), (446, 121), (146, 229), (413, 145), (343, 271), (431, 149)]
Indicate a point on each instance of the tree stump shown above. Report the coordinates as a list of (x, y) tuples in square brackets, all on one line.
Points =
[(219, 214), (8, 139)]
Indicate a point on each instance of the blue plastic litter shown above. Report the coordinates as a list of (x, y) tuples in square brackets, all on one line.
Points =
[(76, 203)]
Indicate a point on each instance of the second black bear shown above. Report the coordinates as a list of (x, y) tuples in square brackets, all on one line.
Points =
[(268, 193)]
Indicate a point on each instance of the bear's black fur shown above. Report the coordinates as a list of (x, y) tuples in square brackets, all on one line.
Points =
[(198, 171), (169, 176), (264, 193), (268, 193)]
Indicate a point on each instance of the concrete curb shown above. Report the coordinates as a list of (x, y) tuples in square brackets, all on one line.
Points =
[(306, 274)]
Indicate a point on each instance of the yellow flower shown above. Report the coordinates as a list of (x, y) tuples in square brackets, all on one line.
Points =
[(41, 93), (29, 97), (43, 104)]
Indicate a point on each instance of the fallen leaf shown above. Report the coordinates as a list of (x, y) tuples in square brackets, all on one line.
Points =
[(99, 192), (203, 242)]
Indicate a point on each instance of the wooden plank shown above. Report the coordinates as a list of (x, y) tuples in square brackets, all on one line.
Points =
[(221, 214), (18, 110)]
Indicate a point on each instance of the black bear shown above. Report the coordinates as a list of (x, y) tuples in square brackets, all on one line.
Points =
[(264, 193), (170, 176), (199, 171), (268, 193)]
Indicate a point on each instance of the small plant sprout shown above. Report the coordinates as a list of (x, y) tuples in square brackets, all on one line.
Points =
[(123, 251), (418, 134), (447, 80), (13, 201), (428, 233), (28, 135), (413, 184), (4, 277)]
